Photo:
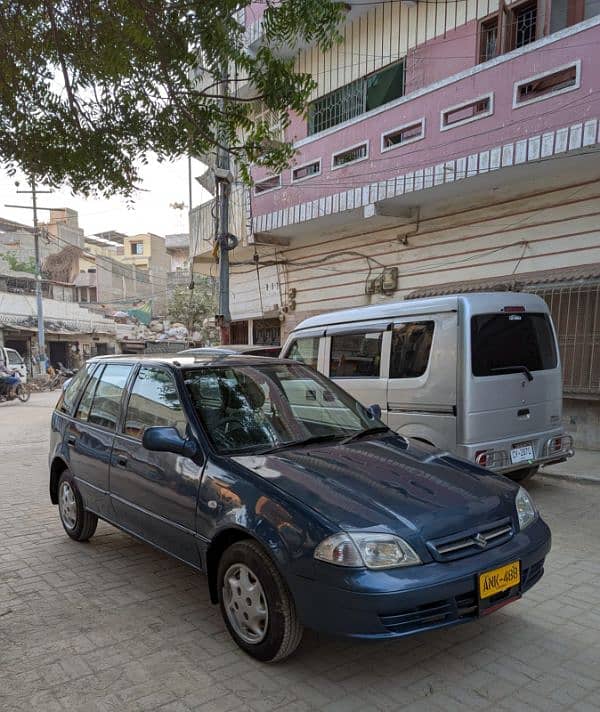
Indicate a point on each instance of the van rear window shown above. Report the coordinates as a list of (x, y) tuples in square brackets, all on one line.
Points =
[(505, 343)]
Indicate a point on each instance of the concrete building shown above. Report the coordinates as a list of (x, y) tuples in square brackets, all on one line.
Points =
[(63, 228), (68, 327), (178, 248), (447, 146)]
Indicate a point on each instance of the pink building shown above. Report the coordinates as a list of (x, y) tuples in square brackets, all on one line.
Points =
[(448, 146)]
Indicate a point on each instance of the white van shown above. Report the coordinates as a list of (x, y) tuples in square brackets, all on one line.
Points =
[(476, 374), (14, 361)]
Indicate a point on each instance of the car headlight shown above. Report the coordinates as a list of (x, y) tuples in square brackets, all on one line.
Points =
[(375, 551), (526, 510)]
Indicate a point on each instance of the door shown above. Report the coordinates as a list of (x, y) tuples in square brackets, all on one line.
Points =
[(90, 434), (422, 378), (513, 376), (154, 493), (356, 362)]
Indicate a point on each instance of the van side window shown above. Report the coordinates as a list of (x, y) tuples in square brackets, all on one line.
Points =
[(101, 401), (69, 396), (154, 401), (411, 346), (305, 351), (355, 355)]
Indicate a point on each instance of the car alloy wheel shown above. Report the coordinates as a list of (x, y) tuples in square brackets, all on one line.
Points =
[(67, 505), (245, 604)]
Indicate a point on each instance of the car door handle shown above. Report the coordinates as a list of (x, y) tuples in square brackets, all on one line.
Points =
[(71, 440), (121, 460)]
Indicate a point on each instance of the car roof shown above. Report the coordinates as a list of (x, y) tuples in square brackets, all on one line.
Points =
[(190, 360), (230, 349)]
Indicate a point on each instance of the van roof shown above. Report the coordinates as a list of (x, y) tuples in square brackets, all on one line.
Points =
[(479, 302)]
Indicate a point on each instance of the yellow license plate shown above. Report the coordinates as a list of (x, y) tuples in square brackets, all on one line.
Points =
[(497, 580)]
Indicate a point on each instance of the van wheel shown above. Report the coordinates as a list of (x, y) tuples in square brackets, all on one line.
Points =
[(523, 475), (256, 605), (76, 520)]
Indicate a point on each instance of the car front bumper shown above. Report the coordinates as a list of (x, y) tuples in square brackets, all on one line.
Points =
[(401, 602)]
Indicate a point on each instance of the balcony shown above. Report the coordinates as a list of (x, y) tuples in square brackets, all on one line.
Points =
[(253, 20), (508, 115)]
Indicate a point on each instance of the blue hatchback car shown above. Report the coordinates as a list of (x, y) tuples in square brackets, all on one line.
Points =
[(302, 508)]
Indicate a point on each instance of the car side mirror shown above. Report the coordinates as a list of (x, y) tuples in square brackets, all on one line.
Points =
[(374, 411), (164, 439)]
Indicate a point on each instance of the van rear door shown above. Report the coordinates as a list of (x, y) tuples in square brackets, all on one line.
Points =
[(513, 381)]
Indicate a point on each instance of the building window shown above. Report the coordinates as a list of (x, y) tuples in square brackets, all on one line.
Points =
[(546, 85), (564, 13), (263, 186), (307, 170), (137, 248), (266, 332), (355, 355), (355, 98), (409, 133), (488, 39), (465, 113), (522, 25), (350, 155)]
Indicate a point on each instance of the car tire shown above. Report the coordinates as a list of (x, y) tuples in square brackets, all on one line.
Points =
[(76, 520), (278, 631), (523, 475)]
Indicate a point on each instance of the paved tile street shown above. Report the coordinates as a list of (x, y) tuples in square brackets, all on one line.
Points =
[(114, 625)]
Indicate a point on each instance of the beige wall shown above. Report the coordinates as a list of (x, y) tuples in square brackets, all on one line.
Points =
[(554, 228)]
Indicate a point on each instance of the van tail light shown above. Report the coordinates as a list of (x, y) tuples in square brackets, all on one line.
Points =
[(561, 444), (492, 459), (513, 310), (481, 457)]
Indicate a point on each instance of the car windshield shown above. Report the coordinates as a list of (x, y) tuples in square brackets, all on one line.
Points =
[(265, 407)]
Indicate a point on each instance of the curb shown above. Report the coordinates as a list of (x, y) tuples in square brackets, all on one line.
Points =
[(580, 479)]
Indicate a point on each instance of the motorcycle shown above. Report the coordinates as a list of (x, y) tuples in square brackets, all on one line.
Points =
[(7, 393)]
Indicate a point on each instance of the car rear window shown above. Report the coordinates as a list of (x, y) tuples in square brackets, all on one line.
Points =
[(505, 343)]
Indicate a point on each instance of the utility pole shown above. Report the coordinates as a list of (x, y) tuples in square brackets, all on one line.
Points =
[(38, 276), (38, 266), (226, 241)]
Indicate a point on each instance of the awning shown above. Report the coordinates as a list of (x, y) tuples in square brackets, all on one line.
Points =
[(515, 283)]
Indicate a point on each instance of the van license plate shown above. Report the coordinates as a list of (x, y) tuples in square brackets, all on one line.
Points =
[(524, 453)]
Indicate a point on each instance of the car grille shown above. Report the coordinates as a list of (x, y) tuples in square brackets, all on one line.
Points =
[(473, 541), (452, 610)]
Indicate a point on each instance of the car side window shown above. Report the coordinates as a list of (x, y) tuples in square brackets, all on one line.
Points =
[(154, 401), (70, 394), (355, 355), (83, 409), (305, 351), (106, 399), (411, 346)]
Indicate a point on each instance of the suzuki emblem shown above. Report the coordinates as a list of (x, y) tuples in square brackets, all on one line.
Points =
[(480, 540)]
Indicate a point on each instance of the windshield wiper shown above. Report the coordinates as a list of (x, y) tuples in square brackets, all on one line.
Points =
[(513, 369), (301, 443), (363, 433)]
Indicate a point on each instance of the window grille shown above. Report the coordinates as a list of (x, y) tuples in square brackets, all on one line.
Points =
[(576, 315), (350, 155), (340, 105), (355, 98)]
